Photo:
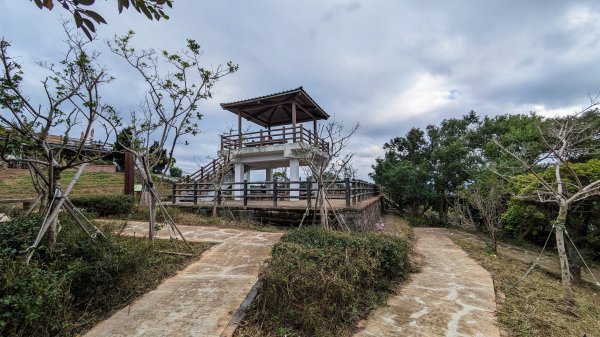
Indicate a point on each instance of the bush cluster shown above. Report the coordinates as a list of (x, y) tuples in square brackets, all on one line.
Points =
[(78, 282), (105, 205), (320, 282)]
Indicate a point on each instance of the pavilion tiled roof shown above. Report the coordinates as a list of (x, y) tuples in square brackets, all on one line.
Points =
[(275, 109)]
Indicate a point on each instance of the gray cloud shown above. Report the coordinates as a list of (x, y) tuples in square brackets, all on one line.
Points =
[(389, 65)]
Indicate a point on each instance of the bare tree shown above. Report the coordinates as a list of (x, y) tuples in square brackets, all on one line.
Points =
[(488, 204), (41, 130), (564, 139), (329, 161), (176, 84)]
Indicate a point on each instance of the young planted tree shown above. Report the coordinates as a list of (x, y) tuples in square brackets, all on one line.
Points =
[(555, 178), (176, 84), (480, 206), (69, 103), (331, 162)]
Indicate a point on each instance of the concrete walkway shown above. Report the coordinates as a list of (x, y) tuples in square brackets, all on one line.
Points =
[(452, 295), (201, 299)]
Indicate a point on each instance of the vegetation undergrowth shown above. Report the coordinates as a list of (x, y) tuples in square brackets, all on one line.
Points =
[(321, 283), (534, 307), (105, 205), (68, 289)]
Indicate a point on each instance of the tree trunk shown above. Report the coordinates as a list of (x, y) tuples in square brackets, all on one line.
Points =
[(560, 246), (151, 213), (55, 183), (323, 211)]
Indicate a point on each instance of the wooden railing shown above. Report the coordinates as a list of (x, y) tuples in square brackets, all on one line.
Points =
[(206, 172), (75, 143), (281, 135), (350, 190)]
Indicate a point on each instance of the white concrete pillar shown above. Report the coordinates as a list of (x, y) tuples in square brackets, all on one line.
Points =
[(294, 176), (269, 174), (269, 177), (238, 178), (247, 173)]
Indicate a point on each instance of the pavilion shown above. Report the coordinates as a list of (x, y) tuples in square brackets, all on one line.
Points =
[(288, 121)]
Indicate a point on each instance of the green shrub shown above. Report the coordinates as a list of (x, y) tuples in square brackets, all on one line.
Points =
[(416, 220), (18, 234), (33, 301), (76, 283), (105, 205), (320, 283)]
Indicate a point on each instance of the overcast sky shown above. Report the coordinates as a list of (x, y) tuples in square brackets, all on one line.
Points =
[(388, 65)]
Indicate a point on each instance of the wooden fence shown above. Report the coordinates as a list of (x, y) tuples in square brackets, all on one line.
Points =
[(350, 190)]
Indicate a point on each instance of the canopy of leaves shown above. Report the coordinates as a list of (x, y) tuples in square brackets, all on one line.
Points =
[(85, 18)]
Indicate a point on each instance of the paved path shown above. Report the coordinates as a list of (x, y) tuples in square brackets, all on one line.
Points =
[(201, 299), (548, 261), (452, 295)]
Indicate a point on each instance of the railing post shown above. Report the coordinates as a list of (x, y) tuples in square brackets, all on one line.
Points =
[(202, 174), (274, 192), (245, 192), (195, 192), (262, 139), (301, 133), (308, 192), (222, 139), (354, 191), (347, 184), (283, 134), (173, 196)]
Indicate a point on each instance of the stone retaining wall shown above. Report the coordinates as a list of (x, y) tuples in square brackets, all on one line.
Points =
[(358, 219)]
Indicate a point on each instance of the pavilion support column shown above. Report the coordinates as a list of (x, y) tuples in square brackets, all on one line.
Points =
[(238, 179), (294, 120), (294, 178), (269, 177), (247, 173), (315, 132), (239, 130)]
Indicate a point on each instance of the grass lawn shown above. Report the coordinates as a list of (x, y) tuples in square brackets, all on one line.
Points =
[(17, 184), (534, 307)]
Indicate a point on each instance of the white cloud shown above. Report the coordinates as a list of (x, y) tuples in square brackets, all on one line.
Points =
[(428, 93)]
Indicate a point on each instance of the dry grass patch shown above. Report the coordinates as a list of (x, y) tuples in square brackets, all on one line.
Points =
[(534, 307), (17, 184)]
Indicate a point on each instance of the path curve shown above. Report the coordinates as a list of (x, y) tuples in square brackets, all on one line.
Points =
[(451, 296), (201, 299)]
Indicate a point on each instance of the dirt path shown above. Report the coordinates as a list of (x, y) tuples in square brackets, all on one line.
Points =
[(201, 299), (547, 261), (452, 295)]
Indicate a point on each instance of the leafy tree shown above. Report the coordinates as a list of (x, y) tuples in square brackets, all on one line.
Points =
[(85, 17), (426, 168), (161, 159), (175, 172)]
